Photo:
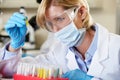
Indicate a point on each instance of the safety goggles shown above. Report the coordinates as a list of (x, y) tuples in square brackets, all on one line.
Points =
[(62, 20)]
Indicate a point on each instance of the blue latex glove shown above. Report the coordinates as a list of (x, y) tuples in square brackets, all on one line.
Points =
[(77, 75), (16, 29)]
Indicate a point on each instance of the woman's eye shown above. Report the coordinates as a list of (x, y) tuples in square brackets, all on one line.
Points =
[(59, 19)]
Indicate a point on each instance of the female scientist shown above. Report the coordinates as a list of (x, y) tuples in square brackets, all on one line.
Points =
[(84, 49)]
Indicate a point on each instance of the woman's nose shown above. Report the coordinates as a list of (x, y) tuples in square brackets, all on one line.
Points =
[(55, 28)]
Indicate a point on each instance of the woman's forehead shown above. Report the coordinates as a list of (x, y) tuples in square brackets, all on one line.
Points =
[(54, 11)]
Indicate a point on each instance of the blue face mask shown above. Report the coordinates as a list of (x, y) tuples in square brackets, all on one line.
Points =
[(70, 35)]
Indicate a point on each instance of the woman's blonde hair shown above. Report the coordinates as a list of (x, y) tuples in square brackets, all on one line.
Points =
[(66, 4)]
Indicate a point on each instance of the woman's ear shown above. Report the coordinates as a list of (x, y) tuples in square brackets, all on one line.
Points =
[(82, 12)]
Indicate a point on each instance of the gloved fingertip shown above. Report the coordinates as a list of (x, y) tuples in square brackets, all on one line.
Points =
[(19, 15), (16, 21), (88, 77), (91, 76), (7, 26), (65, 75), (15, 13)]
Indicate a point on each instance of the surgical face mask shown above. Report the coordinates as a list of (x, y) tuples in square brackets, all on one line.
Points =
[(70, 35)]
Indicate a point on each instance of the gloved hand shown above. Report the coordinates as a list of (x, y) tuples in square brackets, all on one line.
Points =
[(77, 75), (16, 29)]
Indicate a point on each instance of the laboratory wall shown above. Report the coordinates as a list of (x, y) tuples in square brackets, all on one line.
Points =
[(106, 15)]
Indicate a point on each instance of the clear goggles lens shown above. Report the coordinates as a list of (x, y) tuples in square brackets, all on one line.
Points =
[(61, 21)]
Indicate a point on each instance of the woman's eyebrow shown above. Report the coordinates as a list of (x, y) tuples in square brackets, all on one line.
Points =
[(57, 17)]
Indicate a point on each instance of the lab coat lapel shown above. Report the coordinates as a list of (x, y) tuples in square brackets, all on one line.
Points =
[(101, 53), (71, 61)]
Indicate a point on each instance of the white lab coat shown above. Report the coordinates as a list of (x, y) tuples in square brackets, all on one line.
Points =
[(105, 64)]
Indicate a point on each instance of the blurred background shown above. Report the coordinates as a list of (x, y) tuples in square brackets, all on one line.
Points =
[(105, 12)]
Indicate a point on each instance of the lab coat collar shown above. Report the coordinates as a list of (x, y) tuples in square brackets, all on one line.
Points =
[(71, 61), (101, 53)]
